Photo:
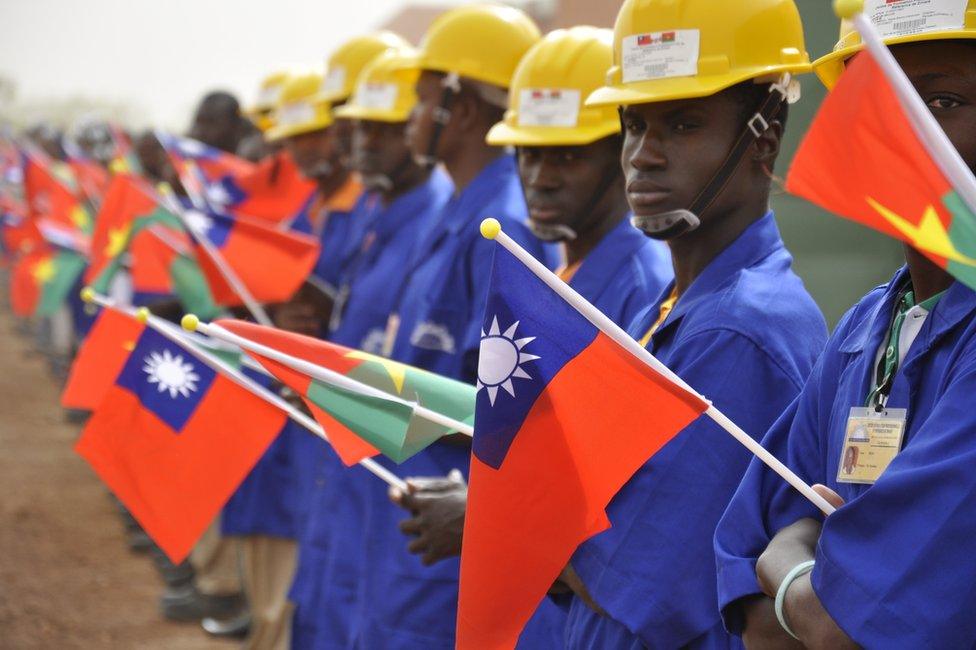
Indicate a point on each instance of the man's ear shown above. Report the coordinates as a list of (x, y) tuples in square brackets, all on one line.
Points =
[(465, 111), (767, 146)]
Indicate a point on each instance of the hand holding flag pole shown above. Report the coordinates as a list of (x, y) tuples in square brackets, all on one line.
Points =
[(491, 229), (178, 336), (324, 374), (253, 306), (926, 127)]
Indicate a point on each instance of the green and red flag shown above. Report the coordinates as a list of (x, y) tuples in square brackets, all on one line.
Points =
[(160, 256), (360, 425), (864, 160), (49, 189), (41, 280)]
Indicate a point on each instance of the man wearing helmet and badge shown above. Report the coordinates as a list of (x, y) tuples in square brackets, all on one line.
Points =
[(703, 89), (892, 567)]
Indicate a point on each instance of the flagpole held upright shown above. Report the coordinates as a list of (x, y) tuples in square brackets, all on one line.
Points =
[(491, 229), (175, 334)]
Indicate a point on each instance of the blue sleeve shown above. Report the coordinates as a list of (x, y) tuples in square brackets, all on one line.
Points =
[(651, 571), (764, 503), (895, 566)]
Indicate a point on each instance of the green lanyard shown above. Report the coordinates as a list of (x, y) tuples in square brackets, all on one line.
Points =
[(884, 375)]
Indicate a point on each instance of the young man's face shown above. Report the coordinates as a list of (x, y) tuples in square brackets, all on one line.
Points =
[(672, 149), (944, 74), (378, 148), (315, 153), (420, 126), (561, 183)]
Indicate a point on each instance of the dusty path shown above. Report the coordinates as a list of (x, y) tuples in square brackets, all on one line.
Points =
[(67, 579)]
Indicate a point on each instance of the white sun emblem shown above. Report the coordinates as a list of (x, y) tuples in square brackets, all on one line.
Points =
[(499, 359), (171, 373), (198, 222)]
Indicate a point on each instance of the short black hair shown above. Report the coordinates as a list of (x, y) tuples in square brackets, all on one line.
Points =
[(221, 100), (751, 95)]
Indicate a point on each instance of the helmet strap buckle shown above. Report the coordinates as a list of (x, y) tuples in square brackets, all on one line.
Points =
[(758, 124), (441, 115)]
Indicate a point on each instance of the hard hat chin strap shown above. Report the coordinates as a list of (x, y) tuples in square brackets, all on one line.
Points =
[(451, 85), (677, 222)]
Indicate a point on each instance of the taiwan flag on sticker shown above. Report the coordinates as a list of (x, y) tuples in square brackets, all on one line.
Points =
[(564, 417), (173, 439), (644, 39)]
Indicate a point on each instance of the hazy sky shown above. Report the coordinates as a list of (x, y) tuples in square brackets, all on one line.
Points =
[(161, 55)]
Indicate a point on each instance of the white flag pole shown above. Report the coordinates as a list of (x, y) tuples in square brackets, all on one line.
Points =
[(926, 127), (491, 229), (235, 282), (322, 374), (175, 334)]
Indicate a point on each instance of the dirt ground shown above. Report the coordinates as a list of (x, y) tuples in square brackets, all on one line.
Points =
[(67, 579)]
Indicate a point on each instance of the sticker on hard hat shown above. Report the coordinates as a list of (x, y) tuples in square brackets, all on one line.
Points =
[(895, 18), (335, 80), (376, 96), (549, 107), (660, 55), (295, 113), (269, 95)]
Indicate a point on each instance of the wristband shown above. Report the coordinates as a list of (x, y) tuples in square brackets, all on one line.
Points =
[(800, 569)]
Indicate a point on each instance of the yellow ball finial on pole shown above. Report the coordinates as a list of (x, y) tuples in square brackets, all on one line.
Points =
[(88, 295), (847, 9), (190, 322), (490, 228), (142, 315)]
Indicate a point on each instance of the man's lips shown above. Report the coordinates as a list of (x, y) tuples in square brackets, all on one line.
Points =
[(544, 213), (642, 194)]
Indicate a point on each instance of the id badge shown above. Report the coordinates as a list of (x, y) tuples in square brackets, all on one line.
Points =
[(871, 442)]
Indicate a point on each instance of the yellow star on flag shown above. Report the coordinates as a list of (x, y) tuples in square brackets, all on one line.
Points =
[(397, 371), (929, 236), (79, 216), (44, 270), (117, 239)]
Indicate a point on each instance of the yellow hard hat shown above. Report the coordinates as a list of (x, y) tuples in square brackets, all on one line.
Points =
[(545, 102), (479, 42), (384, 91), (682, 49), (347, 62), (268, 93), (299, 108), (955, 22)]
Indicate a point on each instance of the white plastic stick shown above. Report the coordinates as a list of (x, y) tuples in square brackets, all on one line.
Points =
[(331, 377), (178, 336), (926, 127), (612, 330)]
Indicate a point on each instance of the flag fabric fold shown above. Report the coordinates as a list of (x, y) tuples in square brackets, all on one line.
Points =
[(173, 438), (862, 159), (565, 416), (360, 425)]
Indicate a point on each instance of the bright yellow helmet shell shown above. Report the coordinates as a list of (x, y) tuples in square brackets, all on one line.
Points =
[(299, 108), (345, 64), (554, 78), (682, 49), (268, 93), (950, 26), (479, 42), (384, 92)]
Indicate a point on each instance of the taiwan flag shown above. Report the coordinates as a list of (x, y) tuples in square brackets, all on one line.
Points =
[(100, 359), (275, 191), (565, 416), (212, 162), (272, 264), (173, 439), (863, 159), (358, 424)]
